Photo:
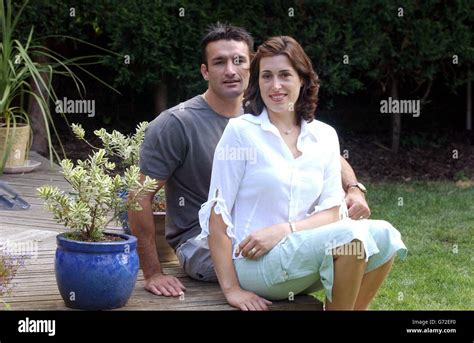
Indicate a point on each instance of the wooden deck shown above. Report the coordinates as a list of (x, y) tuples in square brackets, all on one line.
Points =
[(34, 287)]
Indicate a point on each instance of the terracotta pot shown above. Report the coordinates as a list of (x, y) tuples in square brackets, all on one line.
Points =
[(20, 143), (165, 252)]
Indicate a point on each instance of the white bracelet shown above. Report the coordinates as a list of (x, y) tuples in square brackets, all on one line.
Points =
[(292, 227)]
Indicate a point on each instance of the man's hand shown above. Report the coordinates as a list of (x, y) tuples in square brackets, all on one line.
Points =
[(167, 285), (356, 204), (260, 242), (246, 301)]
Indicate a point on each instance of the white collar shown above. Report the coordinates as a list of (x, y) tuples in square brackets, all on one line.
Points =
[(267, 125)]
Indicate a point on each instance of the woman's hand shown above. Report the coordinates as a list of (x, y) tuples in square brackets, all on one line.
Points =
[(246, 301), (260, 242)]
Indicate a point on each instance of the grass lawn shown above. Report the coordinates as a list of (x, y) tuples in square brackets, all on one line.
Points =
[(436, 220)]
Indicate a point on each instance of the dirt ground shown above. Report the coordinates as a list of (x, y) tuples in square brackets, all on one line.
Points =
[(449, 159)]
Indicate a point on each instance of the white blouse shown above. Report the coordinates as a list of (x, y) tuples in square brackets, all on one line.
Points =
[(256, 182)]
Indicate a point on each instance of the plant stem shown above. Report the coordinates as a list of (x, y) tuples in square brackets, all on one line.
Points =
[(91, 229)]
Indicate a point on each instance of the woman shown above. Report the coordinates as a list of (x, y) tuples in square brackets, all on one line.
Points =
[(272, 220)]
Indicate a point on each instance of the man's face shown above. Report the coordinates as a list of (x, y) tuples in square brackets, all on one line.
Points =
[(228, 68)]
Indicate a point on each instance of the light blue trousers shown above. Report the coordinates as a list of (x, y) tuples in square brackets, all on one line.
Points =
[(302, 262)]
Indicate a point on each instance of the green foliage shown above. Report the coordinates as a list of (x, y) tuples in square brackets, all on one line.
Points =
[(161, 44), (126, 148), (94, 202), (418, 40), (162, 39), (460, 175), (159, 202), (60, 21)]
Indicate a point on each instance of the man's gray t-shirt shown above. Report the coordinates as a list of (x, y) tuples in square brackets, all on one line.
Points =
[(179, 147)]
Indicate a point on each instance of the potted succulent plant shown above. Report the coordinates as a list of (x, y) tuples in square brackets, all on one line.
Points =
[(95, 270), (16, 68), (127, 150)]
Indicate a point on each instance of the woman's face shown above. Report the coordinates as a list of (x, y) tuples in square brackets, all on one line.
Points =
[(279, 84)]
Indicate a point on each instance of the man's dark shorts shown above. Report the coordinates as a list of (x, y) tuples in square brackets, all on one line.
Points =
[(196, 261)]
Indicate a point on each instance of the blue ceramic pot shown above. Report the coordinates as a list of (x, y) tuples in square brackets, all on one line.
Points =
[(96, 276)]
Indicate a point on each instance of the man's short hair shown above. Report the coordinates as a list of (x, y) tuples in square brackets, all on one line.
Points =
[(221, 31)]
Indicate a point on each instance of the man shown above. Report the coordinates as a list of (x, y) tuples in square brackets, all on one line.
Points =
[(178, 150)]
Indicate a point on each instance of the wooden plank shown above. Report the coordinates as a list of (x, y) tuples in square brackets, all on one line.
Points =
[(30, 222), (29, 189), (147, 301), (29, 185), (11, 235), (34, 212)]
